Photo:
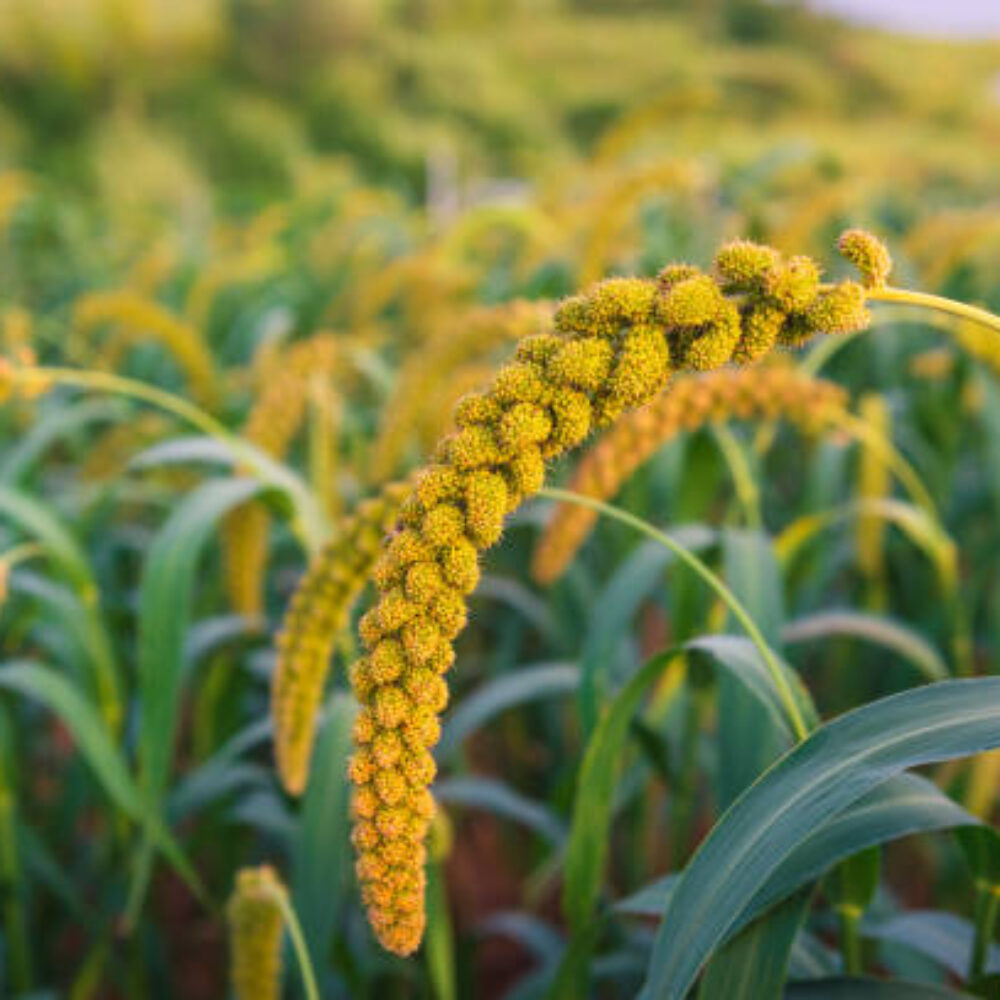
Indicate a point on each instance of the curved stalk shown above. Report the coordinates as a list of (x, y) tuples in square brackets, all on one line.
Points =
[(987, 911), (937, 303), (739, 469), (294, 928), (734, 604), (308, 520)]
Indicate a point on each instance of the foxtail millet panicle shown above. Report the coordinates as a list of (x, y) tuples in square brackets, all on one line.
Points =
[(255, 931), (276, 416), (868, 254), (611, 350), (316, 615), (771, 392), (136, 319)]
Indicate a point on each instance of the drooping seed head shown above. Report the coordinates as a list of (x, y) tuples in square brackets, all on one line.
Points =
[(868, 254)]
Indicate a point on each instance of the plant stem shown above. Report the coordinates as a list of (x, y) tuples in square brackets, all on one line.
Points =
[(778, 678), (683, 806), (739, 468), (891, 456), (849, 917), (938, 303), (298, 940), (121, 386), (987, 911), (308, 518)]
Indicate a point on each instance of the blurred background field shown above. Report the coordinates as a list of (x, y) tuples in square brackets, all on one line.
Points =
[(320, 223)]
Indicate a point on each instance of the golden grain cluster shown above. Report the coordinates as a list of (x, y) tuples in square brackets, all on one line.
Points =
[(611, 349), (763, 393)]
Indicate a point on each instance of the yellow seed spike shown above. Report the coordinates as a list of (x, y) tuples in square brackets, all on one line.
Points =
[(777, 392), (318, 612), (255, 925), (244, 547), (430, 376), (137, 319), (18, 377), (537, 408), (874, 483), (981, 792), (868, 254), (272, 424)]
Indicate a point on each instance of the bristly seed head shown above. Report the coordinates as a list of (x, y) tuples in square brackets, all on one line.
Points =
[(612, 349)]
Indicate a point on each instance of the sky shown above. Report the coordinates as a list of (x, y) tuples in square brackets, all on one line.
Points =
[(958, 18)]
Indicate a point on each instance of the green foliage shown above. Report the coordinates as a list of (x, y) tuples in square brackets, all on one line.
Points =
[(691, 762)]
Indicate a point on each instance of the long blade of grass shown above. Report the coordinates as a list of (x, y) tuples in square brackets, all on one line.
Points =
[(753, 965), (944, 937), (37, 519), (834, 767), (615, 607), (104, 758), (500, 799), (878, 629), (545, 680), (735, 606), (321, 851), (166, 596), (906, 804), (21, 457), (922, 530), (747, 744)]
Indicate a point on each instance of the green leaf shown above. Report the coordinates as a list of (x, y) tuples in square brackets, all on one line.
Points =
[(221, 774), (753, 574), (103, 757), (590, 826), (892, 635), (616, 605), (943, 937), (834, 767), (501, 693), (167, 590), (71, 419), (521, 599), (90, 646), (183, 450), (321, 850), (925, 532), (754, 964), (498, 798), (741, 659), (282, 486), (38, 519), (869, 989), (588, 842), (613, 609), (811, 958), (903, 805), (747, 744), (439, 944), (60, 697)]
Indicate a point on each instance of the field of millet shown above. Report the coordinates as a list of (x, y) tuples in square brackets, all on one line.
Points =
[(497, 500)]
